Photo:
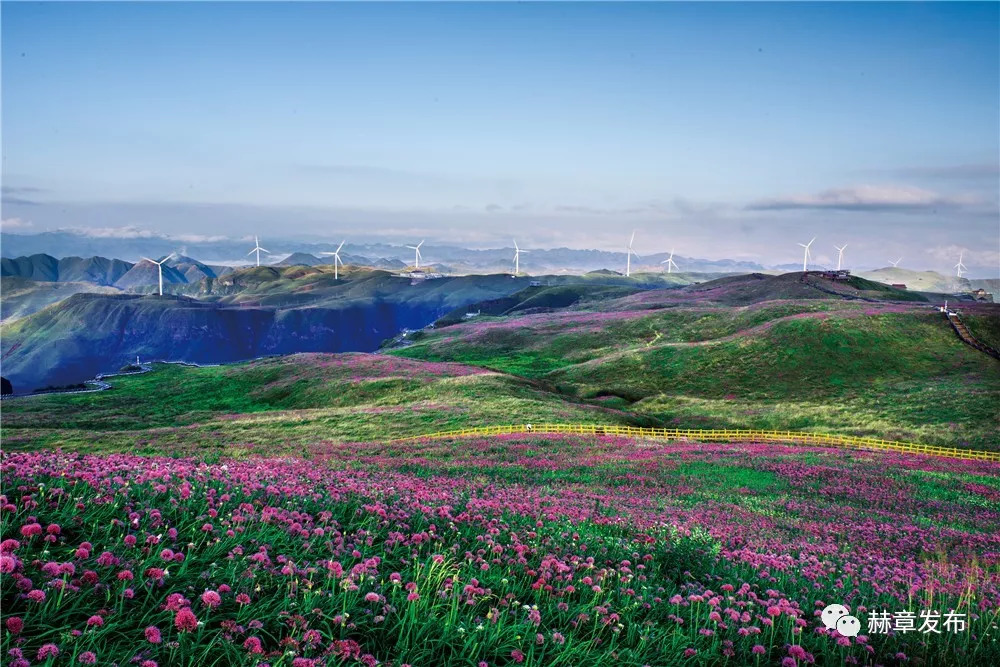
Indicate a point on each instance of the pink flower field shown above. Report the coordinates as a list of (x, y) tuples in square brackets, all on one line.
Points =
[(534, 550)]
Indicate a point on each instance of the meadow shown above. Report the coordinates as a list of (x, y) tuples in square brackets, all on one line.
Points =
[(509, 550), (893, 370)]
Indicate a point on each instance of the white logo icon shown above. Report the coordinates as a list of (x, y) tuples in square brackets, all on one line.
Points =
[(848, 626), (832, 614)]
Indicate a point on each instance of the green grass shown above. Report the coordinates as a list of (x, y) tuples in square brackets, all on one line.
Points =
[(813, 366), (283, 404), (986, 328)]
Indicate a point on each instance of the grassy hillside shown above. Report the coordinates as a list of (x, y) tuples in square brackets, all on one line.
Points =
[(283, 404), (893, 370), (23, 296)]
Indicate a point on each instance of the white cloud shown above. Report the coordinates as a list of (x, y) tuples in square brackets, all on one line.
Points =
[(133, 232), (8, 224), (951, 253), (865, 198)]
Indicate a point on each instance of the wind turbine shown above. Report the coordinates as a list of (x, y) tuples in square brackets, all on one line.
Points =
[(517, 255), (336, 259), (628, 256), (806, 254), (896, 263), (257, 249), (416, 254), (960, 267), (669, 261), (159, 268), (840, 255)]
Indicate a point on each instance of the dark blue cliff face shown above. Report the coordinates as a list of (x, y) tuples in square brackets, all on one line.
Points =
[(89, 334)]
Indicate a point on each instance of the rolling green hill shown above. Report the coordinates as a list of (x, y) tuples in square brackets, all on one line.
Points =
[(281, 404), (822, 363)]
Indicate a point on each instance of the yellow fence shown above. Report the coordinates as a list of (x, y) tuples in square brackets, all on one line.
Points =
[(725, 435)]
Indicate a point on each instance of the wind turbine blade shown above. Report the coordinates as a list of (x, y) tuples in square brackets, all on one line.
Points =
[(631, 240), (249, 253), (149, 260), (420, 244), (267, 251), (340, 246)]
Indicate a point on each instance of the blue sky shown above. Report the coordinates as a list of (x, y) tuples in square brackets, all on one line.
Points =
[(723, 129)]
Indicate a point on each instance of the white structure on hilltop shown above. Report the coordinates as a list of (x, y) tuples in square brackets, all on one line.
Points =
[(628, 256), (669, 261), (159, 268), (517, 256), (806, 255), (257, 249), (416, 254), (840, 255), (336, 259), (960, 267), (896, 263)]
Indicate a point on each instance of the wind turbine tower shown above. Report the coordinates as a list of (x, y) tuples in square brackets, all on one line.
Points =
[(416, 254), (840, 255), (669, 261), (159, 268), (517, 256), (257, 249), (806, 254), (960, 267), (628, 256), (336, 259)]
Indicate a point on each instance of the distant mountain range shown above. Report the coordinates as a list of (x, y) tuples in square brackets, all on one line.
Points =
[(108, 272), (379, 255)]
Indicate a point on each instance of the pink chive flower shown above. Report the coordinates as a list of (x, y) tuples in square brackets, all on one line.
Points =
[(796, 651), (95, 621), (53, 529), (413, 596), (48, 651), (243, 598), (36, 595), (185, 620), (153, 635), (14, 625), (88, 658), (517, 656), (211, 599), (29, 530), (372, 597), (253, 645), (758, 650)]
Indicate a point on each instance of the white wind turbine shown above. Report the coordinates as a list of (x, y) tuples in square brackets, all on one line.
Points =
[(896, 263), (669, 261), (336, 259), (257, 249), (840, 255), (628, 256), (806, 254), (960, 267), (159, 268), (517, 256), (416, 254)]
